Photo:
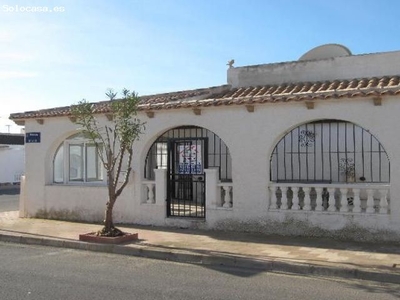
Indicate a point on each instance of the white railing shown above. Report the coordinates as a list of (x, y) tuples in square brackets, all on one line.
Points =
[(226, 191), (344, 198), (218, 194), (149, 191)]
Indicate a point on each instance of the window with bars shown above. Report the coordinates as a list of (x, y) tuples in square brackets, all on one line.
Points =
[(329, 151)]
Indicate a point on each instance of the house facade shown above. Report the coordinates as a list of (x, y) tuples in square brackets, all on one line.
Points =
[(306, 147)]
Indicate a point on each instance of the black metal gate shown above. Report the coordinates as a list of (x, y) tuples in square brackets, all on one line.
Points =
[(186, 177), (186, 185)]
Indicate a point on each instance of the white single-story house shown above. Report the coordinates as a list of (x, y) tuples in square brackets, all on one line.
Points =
[(307, 147), (12, 157)]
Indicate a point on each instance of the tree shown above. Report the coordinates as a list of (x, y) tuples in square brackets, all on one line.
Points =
[(113, 140)]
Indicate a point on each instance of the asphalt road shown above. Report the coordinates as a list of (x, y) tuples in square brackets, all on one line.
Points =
[(9, 198), (34, 272)]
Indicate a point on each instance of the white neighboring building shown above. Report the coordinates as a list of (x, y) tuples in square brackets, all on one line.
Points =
[(12, 158), (307, 147)]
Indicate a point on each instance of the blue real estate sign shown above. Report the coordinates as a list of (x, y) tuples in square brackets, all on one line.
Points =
[(32, 137)]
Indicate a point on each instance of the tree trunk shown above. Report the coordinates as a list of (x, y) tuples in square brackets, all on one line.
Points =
[(108, 221), (108, 218), (109, 229)]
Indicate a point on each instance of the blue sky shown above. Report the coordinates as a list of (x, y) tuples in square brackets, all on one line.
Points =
[(50, 59)]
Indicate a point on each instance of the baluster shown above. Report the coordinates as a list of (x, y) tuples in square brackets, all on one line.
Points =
[(331, 200), (150, 193), (344, 205), (284, 200), (383, 203), (356, 201), (274, 200), (228, 197), (370, 201), (318, 200), (295, 200), (307, 199)]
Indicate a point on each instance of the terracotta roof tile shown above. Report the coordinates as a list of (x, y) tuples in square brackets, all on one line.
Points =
[(342, 85), (372, 82), (393, 81), (314, 87), (224, 95), (364, 82), (353, 84)]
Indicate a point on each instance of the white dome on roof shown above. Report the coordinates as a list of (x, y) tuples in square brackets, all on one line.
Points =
[(326, 51)]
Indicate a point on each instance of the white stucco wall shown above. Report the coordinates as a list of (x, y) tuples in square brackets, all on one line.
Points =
[(12, 160), (251, 138)]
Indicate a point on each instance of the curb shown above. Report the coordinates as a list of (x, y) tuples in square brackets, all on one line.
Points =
[(202, 259)]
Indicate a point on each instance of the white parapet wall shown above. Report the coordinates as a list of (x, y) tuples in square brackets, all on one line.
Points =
[(362, 66)]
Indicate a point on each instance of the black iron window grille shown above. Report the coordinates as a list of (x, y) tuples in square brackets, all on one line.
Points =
[(329, 151)]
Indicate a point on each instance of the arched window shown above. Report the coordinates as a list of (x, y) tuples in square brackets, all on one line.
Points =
[(76, 160), (329, 151)]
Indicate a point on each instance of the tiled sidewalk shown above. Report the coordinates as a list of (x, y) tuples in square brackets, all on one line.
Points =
[(286, 254)]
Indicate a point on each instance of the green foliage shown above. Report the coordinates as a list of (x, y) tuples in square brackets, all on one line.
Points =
[(114, 137)]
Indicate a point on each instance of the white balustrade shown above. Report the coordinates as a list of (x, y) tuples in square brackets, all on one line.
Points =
[(226, 190), (228, 197), (339, 198), (383, 203), (370, 201), (343, 200), (357, 201), (284, 199), (154, 192), (149, 187), (295, 200), (274, 199), (331, 199), (307, 199), (318, 200)]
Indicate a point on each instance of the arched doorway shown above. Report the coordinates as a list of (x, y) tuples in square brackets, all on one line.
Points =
[(185, 152)]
